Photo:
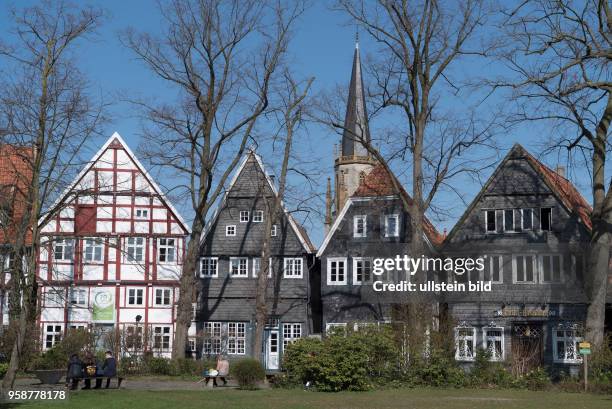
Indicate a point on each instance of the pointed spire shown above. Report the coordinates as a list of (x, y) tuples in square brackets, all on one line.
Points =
[(328, 207), (356, 119)]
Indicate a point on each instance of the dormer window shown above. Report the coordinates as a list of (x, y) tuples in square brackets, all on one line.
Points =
[(392, 225)]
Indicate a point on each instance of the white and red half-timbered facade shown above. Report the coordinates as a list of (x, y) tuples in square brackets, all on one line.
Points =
[(111, 254)]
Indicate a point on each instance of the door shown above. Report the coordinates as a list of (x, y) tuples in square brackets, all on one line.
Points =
[(85, 219), (527, 347), (272, 354)]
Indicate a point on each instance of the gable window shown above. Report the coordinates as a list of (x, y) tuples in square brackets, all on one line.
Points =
[(565, 345), (166, 250), (239, 266), (63, 249), (550, 268), (527, 219), (230, 230), (142, 213), (494, 342), (508, 220), (93, 249), (161, 337), (53, 335), (336, 271), (236, 338), (362, 270), (209, 267), (494, 269), (292, 268), (257, 266), (490, 221), (291, 333), (135, 296), (162, 296), (135, 249), (54, 298), (212, 338), (78, 296), (359, 226), (465, 341), (244, 216), (523, 267), (546, 219), (274, 230), (258, 216), (392, 225)]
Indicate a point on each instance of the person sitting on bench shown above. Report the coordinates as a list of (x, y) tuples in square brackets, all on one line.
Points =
[(222, 371), (109, 370)]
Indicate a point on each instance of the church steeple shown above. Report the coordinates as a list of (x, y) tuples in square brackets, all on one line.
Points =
[(356, 120)]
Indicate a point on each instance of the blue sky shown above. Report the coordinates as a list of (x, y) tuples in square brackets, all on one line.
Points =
[(323, 48)]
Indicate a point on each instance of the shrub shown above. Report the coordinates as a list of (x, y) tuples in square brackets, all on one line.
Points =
[(437, 369), (248, 372), (157, 366), (488, 374), (3, 369), (188, 367), (53, 358), (536, 379)]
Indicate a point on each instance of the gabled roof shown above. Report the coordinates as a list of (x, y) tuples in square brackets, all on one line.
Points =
[(298, 229), (562, 189), (116, 141)]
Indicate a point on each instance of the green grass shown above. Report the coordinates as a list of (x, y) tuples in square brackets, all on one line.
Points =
[(298, 399)]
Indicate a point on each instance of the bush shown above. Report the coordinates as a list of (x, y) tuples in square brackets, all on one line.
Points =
[(188, 367), (438, 369), (536, 380), (53, 358), (488, 374), (248, 372), (157, 366), (3, 369)]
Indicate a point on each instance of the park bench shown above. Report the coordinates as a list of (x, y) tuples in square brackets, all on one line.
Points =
[(209, 380), (94, 378)]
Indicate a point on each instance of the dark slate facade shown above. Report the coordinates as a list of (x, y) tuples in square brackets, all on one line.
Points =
[(530, 225), (233, 240)]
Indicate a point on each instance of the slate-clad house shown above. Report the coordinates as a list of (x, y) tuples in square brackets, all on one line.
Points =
[(533, 227), (111, 254), (231, 252)]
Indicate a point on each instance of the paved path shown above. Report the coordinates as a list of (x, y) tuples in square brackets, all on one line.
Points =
[(137, 383)]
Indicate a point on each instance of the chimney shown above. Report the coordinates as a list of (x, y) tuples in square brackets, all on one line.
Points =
[(560, 171)]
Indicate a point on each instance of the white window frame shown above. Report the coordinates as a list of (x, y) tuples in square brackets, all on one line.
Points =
[(549, 221), (244, 216), (213, 338), (54, 331), (78, 296), (534, 259), (54, 297), (331, 325), (356, 260), (216, 264), (236, 338), (291, 333), (541, 268), (239, 274), (332, 260), (486, 339), (523, 219), (293, 267), (487, 220), (255, 273), (364, 220), (274, 230), (163, 297), (163, 334), (163, 244), (567, 341), (511, 229), (258, 216), (97, 250), (459, 338), (135, 245), (192, 344), (396, 232), (489, 260), (67, 249), (144, 214), (230, 230), (134, 293)]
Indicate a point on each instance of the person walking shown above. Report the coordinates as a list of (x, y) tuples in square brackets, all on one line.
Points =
[(74, 372)]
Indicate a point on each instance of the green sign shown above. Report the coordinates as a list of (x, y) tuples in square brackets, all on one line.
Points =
[(103, 305), (585, 351)]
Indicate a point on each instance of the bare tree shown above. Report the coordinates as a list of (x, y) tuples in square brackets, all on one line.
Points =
[(559, 54), (44, 106), (221, 56)]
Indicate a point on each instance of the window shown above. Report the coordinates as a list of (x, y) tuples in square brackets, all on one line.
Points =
[(359, 226), (494, 342), (465, 341), (258, 216), (162, 296), (54, 298), (292, 268), (161, 337), (336, 271), (135, 249), (142, 213), (209, 267), (274, 231), (63, 249), (392, 225), (527, 218), (494, 269), (135, 296), (490, 221), (550, 268), (244, 216), (212, 338), (523, 269), (236, 338), (257, 266), (192, 344), (53, 335), (362, 270), (93, 249), (239, 267), (78, 296), (546, 219), (508, 220), (166, 250), (291, 333), (230, 230), (335, 326), (133, 339), (565, 345)]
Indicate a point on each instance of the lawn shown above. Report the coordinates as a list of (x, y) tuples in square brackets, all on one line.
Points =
[(298, 399)]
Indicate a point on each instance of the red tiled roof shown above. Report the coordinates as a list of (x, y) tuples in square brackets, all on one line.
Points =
[(15, 174), (379, 182), (565, 190)]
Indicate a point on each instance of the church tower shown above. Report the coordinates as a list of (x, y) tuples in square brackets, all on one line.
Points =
[(353, 162)]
